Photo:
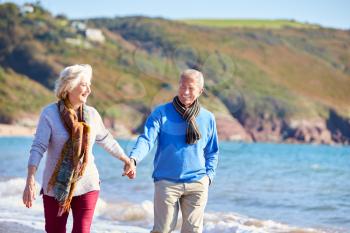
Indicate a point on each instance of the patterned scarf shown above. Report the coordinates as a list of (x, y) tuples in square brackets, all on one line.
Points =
[(189, 115), (74, 155)]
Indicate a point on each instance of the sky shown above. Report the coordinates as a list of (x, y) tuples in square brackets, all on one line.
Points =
[(328, 13)]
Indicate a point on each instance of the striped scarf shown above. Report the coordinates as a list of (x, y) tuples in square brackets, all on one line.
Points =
[(189, 115), (74, 156)]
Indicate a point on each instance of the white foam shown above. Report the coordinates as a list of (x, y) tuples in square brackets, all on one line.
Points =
[(139, 213), (235, 223), (214, 222), (13, 210), (315, 166), (12, 187), (111, 217), (11, 195)]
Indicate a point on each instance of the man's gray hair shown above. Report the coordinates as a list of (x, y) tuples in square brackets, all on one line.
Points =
[(193, 74), (70, 77)]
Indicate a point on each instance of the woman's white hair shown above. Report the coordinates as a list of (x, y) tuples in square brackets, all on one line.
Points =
[(193, 74), (70, 77)]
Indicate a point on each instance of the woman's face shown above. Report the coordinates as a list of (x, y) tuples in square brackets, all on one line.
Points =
[(80, 93)]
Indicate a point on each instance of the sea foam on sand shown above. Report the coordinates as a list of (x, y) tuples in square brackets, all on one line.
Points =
[(120, 217)]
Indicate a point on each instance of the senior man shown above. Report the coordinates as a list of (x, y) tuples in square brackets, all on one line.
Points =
[(186, 157)]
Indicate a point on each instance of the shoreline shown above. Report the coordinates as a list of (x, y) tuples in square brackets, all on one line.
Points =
[(16, 130), (12, 130), (14, 227)]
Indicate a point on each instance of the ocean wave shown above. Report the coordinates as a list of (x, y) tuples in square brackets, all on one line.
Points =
[(10, 187), (235, 223), (122, 215), (141, 214)]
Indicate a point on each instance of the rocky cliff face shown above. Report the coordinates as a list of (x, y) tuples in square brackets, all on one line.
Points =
[(229, 128), (334, 130), (308, 131), (339, 128)]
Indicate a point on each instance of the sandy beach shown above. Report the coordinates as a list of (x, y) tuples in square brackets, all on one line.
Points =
[(11, 130), (16, 130)]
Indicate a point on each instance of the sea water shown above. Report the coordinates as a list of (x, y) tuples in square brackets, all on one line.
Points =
[(258, 188)]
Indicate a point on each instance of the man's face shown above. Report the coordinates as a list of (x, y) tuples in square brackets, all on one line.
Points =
[(189, 91)]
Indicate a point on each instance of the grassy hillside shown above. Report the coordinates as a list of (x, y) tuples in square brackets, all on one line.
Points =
[(248, 23), (20, 96), (296, 72)]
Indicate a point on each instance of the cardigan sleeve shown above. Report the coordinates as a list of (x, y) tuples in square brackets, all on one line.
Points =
[(41, 140)]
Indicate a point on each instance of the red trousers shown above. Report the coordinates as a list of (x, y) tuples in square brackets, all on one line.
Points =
[(82, 207)]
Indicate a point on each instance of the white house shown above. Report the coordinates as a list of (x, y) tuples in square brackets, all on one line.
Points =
[(26, 9), (95, 35), (79, 26)]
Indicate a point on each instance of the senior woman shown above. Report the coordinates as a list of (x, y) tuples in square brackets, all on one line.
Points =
[(67, 130)]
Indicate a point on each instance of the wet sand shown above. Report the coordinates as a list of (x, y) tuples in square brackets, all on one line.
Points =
[(7, 227)]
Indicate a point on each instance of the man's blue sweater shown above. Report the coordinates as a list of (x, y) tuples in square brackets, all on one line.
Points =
[(175, 160)]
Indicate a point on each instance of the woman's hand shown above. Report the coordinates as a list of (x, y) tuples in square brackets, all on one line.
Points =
[(130, 169), (29, 192)]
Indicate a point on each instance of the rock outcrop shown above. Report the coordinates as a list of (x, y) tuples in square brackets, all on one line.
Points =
[(308, 131), (230, 129), (339, 127)]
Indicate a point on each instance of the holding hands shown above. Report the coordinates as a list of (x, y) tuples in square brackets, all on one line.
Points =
[(130, 168)]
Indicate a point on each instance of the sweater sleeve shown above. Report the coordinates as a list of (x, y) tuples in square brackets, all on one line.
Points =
[(211, 151), (41, 140), (146, 141), (105, 139)]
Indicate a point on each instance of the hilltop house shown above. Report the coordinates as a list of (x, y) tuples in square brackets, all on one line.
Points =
[(27, 9), (78, 26), (94, 35)]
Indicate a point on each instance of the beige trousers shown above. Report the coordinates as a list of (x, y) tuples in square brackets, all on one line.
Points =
[(169, 197)]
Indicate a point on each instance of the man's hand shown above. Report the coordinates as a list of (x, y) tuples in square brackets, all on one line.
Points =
[(130, 169)]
